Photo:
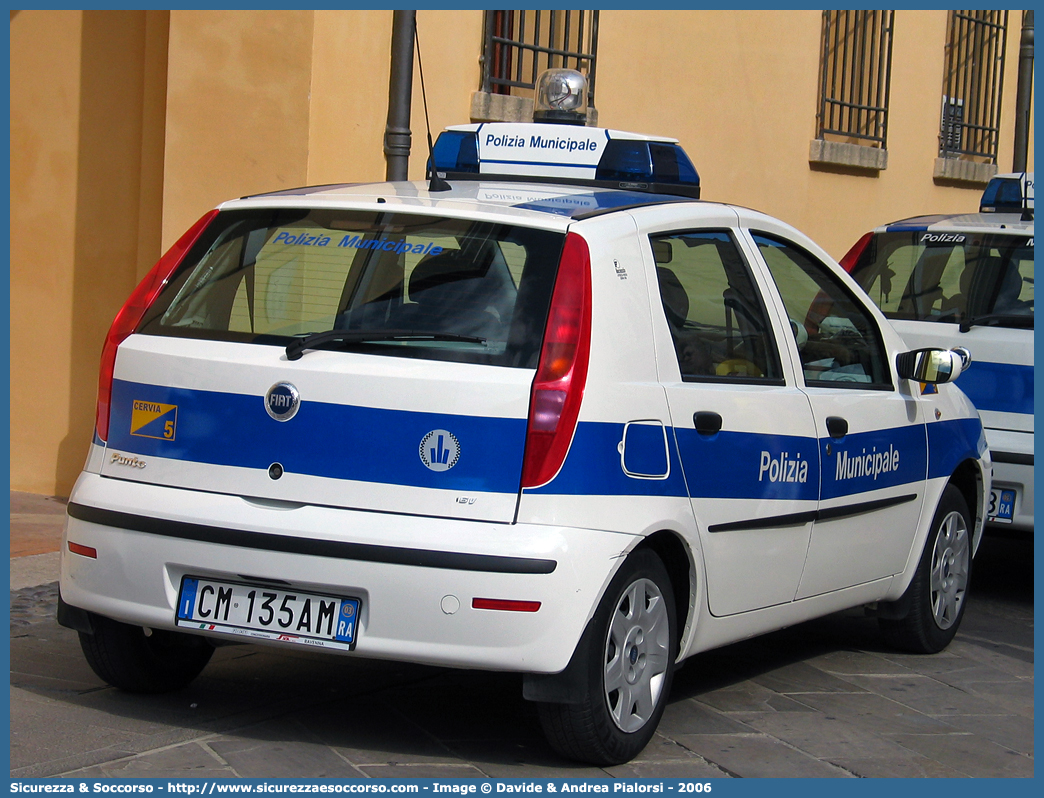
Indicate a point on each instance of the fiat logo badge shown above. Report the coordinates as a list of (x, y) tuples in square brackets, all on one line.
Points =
[(282, 401)]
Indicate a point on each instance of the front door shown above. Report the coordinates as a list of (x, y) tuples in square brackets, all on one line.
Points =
[(871, 435)]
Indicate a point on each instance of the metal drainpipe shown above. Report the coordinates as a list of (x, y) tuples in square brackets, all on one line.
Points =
[(1024, 93), (397, 136)]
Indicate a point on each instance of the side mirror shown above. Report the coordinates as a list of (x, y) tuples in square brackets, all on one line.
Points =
[(933, 365)]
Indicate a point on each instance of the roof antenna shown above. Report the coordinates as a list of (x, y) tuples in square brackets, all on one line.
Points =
[(436, 183)]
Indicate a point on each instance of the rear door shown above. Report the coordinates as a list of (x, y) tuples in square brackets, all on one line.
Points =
[(419, 404), (744, 430)]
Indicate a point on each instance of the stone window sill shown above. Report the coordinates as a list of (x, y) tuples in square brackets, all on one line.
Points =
[(956, 170), (848, 156)]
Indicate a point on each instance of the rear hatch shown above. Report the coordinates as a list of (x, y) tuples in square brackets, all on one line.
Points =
[(371, 360)]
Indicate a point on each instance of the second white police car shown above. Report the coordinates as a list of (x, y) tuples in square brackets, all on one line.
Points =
[(967, 280), (559, 419)]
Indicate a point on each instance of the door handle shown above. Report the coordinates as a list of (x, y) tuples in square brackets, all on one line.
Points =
[(836, 426), (707, 423)]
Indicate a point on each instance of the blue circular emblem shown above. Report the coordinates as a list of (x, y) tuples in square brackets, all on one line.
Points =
[(282, 401), (348, 610), (439, 450)]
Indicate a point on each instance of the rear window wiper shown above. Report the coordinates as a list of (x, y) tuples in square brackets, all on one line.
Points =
[(1009, 319), (296, 348)]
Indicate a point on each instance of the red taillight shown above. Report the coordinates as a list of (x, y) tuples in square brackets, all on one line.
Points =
[(849, 261), (83, 551), (561, 375), (132, 311), (506, 605)]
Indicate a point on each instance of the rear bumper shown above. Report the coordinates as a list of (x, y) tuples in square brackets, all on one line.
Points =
[(1012, 454), (416, 576)]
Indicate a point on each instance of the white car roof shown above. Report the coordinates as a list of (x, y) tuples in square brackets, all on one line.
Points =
[(544, 204), (1000, 223)]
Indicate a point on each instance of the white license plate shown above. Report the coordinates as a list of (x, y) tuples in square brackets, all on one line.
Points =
[(1002, 506), (268, 613)]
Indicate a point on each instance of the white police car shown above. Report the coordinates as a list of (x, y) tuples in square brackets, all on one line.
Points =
[(967, 280), (1010, 193), (579, 430)]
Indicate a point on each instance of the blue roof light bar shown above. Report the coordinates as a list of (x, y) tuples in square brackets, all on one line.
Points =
[(542, 153)]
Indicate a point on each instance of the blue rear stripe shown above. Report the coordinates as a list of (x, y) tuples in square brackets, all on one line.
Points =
[(324, 440)]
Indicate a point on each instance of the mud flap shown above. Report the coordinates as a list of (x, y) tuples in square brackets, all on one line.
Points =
[(568, 686)]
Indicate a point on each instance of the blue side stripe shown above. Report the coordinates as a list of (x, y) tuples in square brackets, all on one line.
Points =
[(952, 442), (734, 465), (729, 465), (999, 387), (866, 461), (592, 467), (324, 440)]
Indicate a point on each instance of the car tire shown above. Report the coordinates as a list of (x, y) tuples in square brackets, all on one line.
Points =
[(629, 669), (936, 597), (130, 659)]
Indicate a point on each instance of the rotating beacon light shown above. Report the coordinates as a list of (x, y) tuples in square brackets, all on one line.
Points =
[(561, 97)]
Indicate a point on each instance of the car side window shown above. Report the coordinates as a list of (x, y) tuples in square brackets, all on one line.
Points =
[(715, 313), (837, 339)]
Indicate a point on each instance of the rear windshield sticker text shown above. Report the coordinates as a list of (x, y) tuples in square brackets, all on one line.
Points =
[(398, 246)]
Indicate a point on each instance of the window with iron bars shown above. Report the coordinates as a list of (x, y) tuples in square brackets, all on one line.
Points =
[(972, 85), (855, 73), (519, 45)]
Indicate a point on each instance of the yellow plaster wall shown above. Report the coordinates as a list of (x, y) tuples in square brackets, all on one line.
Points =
[(351, 66), (44, 119), (238, 86), (153, 139), (76, 165), (351, 57)]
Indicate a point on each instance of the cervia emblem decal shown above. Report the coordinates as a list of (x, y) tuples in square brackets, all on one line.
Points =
[(282, 401), (440, 450)]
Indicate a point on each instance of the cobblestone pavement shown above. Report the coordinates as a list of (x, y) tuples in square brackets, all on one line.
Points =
[(824, 699)]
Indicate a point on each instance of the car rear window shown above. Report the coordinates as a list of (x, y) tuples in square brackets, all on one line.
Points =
[(423, 286), (950, 277)]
